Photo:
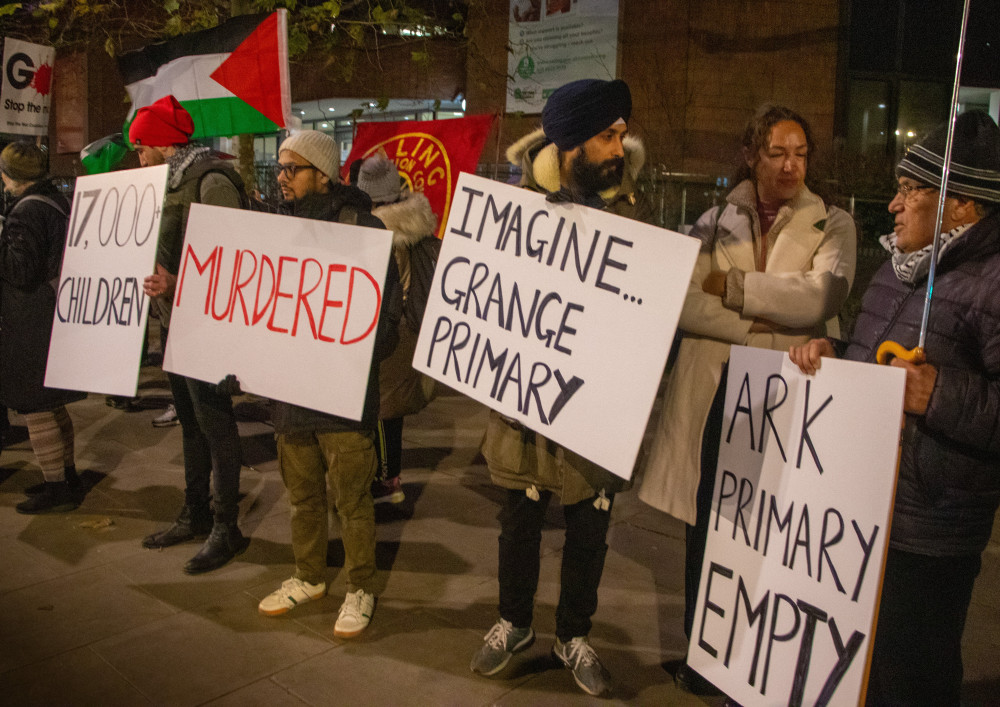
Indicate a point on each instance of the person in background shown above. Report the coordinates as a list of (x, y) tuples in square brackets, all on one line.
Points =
[(31, 249), (316, 448), (948, 488), (415, 247), (775, 266), (161, 134)]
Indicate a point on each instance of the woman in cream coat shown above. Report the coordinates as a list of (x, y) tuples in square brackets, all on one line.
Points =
[(775, 266)]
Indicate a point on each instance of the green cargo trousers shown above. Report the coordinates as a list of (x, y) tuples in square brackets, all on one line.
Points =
[(347, 459)]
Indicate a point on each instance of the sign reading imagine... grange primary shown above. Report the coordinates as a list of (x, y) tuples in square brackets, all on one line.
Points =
[(101, 310), (798, 530), (556, 315), (290, 306)]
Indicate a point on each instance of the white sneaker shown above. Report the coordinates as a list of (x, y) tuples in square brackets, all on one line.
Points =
[(291, 593), (168, 418), (355, 614)]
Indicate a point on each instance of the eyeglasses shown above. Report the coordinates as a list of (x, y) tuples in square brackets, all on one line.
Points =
[(905, 190), (290, 169)]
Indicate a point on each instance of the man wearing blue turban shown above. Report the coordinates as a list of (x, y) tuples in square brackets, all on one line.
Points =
[(582, 158)]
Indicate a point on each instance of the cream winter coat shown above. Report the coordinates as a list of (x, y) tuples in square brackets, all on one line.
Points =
[(809, 271)]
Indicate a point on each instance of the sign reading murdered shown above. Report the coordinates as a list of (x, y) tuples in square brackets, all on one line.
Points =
[(798, 529), (290, 306), (26, 87), (101, 310), (556, 315)]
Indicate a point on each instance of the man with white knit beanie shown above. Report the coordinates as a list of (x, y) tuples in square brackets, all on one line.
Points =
[(316, 447)]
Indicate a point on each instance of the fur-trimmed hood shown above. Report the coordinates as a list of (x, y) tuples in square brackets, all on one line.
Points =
[(410, 219), (539, 163)]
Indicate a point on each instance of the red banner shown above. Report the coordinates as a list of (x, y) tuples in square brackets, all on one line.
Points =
[(429, 154)]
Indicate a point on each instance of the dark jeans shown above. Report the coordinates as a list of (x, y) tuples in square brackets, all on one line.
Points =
[(582, 562), (917, 653), (389, 447), (696, 536), (211, 446)]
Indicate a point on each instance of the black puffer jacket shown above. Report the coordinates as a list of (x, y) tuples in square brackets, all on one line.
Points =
[(31, 250), (331, 206), (949, 472)]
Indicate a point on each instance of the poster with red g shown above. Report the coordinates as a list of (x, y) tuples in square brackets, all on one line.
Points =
[(429, 154)]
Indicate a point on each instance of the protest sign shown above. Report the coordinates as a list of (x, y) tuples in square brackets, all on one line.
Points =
[(798, 530), (556, 315), (26, 87), (290, 306), (101, 310)]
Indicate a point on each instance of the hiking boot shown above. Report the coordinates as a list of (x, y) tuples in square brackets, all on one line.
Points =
[(55, 497), (355, 614), (188, 526), (388, 491), (224, 543), (168, 418), (577, 655), (72, 480), (501, 643), (292, 593)]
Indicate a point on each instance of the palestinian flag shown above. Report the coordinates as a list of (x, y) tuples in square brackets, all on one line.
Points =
[(232, 79), (103, 155)]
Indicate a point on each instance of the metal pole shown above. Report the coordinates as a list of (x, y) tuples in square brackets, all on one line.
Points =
[(945, 169)]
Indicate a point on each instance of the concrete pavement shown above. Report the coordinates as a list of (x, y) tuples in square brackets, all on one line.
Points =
[(90, 617)]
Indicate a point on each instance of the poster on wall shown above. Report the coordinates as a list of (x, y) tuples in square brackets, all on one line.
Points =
[(549, 312), (798, 529), (26, 88), (553, 42)]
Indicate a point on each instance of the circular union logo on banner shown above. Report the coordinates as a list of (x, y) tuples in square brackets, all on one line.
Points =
[(424, 163)]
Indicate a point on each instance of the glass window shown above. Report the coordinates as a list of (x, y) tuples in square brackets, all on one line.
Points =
[(867, 116), (873, 34), (922, 107)]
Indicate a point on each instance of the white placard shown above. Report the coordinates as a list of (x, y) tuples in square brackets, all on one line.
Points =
[(101, 310), (557, 315), (288, 305), (26, 87), (798, 531)]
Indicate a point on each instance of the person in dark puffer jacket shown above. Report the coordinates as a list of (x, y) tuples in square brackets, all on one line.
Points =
[(31, 249), (948, 489)]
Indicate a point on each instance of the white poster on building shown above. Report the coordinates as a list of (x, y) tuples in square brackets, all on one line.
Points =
[(101, 310), (26, 88), (554, 42), (290, 306), (798, 529), (556, 315)]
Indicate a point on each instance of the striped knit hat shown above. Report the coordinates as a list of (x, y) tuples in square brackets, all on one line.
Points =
[(975, 158)]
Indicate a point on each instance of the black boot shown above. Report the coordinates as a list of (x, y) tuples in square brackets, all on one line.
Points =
[(225, 542), (191, 523), (55, 497), (72, 480)]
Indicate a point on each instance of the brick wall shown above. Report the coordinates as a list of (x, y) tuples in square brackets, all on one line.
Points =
[(697, 70)]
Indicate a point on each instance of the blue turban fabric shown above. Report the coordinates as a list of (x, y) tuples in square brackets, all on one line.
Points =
[(579, 110)]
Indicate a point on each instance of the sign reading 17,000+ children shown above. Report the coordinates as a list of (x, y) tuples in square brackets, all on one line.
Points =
[(798, 529), (556, 315), (100, 317)]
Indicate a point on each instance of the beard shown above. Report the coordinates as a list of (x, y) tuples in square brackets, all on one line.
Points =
[(594, 177)]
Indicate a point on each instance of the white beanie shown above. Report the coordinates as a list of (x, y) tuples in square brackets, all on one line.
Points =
[(379, 179), (318, 148)]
